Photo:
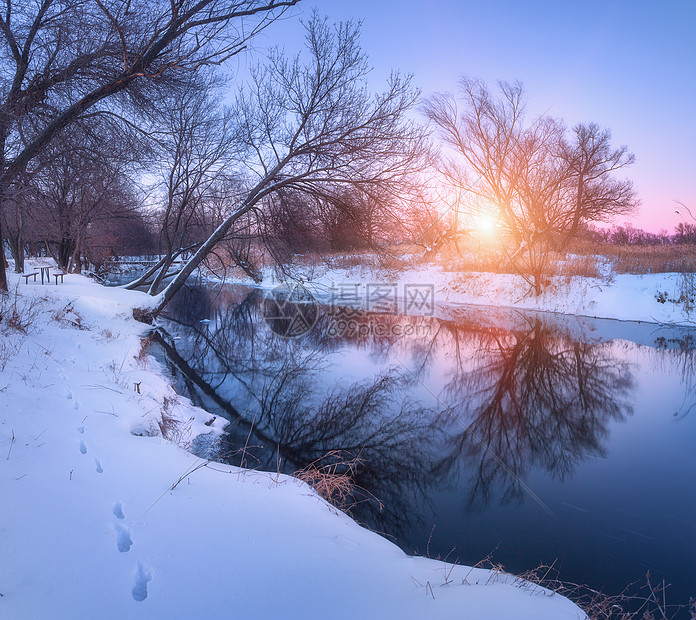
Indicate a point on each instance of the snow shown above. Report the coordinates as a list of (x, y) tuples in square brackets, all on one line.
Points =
[(104, 518), (626, 297)]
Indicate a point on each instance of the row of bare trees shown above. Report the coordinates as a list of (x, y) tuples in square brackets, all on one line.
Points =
[(100, 98), (308, 134), (80, 203), (63, 62)]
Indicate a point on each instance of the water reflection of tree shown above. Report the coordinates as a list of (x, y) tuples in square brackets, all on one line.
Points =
[(680, 351), (513, 400), (533, 399), (390, 436), (281, 418)]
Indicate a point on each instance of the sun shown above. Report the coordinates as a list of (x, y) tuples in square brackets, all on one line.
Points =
[(485, 224)]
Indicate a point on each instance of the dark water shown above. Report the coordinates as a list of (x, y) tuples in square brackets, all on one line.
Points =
[(527, 438)]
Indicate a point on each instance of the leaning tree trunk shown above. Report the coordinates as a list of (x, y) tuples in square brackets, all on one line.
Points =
[(161, 274), (263, 188), (180, 279)]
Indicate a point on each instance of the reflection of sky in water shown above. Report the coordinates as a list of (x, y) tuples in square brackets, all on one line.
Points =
[(616, 469), (615, 517)]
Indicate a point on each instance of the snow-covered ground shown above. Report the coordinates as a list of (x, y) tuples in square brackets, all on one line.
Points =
[(625, 297), (102, 517)]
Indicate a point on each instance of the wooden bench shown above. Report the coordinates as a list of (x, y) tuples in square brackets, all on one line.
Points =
[(58, 275), (26, 276)]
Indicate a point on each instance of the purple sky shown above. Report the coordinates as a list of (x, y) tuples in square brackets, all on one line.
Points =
[(626, 65)]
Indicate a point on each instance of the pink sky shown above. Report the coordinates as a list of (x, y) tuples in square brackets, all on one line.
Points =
[(625, 64)]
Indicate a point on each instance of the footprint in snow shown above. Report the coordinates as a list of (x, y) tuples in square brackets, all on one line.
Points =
[(142, 576), (81, 430), (123, 538), (83, 447), (99, 467), (118, 510)]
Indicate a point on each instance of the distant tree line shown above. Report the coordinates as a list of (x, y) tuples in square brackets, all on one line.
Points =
[(628, 234)]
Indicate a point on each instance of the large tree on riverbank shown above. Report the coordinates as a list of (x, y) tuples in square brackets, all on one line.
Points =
[(60, 59), (314, 127), (540, 181)]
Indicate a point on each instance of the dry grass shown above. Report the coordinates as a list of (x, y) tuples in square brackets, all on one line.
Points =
[(143, 353), (578, 265), (67, 315), (8, 350), (646, 602), (492, 261), (488, 261), (18, 313), (172, 428), (331, 476), (641, 259), (582, 258), (685, 295)]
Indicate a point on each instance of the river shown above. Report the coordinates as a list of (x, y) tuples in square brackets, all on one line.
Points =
[(471, 433)]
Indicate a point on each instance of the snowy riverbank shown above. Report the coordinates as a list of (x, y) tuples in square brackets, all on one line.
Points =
[(104, 518), (627, 297)]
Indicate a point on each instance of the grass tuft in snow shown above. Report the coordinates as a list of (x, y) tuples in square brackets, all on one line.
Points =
[(332, 477), (143, 354), (67, 315), (18, 313), (172, 428), (650, 601)]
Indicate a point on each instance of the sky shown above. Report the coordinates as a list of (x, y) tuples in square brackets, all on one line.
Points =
[(629, 66)]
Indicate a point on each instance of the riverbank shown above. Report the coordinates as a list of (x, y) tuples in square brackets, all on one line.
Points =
[(107, 515), (654, 298)]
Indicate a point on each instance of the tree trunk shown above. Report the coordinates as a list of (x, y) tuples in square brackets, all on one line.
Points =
[(16, 242), (66, 247), (76, 262), (262, 188), (3, 270), (19, 258), (180, 279), (573, 231), (154, 287)]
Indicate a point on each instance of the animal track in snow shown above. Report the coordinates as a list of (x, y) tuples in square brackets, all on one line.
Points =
[(99, 467), (81, 430), (142, 576), (118, 510), (123, 539), (83, 447)]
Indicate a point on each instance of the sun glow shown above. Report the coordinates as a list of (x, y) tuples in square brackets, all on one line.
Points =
[(485, 224)]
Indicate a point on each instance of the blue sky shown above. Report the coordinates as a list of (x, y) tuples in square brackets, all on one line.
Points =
[(628, 66)]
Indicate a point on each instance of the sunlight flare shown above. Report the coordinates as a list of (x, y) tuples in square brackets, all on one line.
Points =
[(485, 225)]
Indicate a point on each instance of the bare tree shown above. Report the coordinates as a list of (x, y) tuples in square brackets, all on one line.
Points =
[(598, 195), (541, 184), (195, 148), (78, 181), (14, 221), (355, 218), (60, 59), (314, 127), (130, 233)]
